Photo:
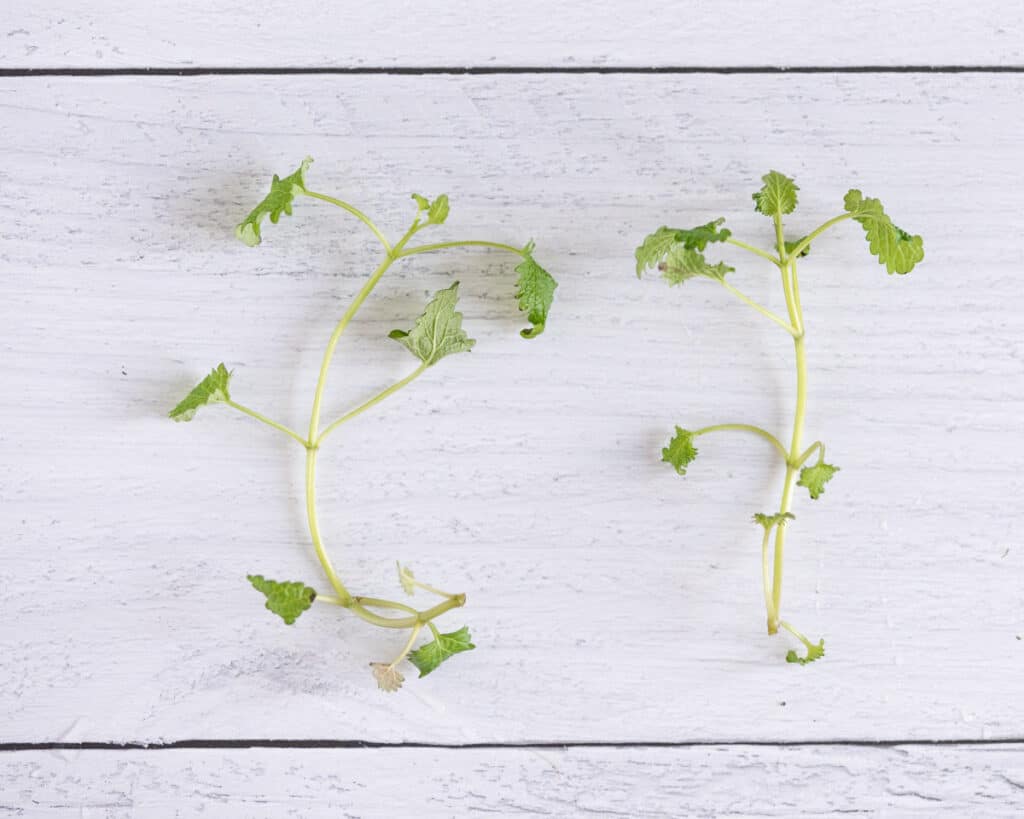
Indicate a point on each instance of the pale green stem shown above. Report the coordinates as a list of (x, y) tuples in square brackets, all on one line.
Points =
[(817, 445), (362, 217), (766, 577), (797, 634), (755, 250), (260, 417), (432, 589), (414, 633), (763, 311), (314, 529), (372, 402), (814, 234), (746, 428), (468, 243)]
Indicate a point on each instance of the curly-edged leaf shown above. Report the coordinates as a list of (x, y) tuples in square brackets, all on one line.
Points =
[(656, 246), (814, 652), (438, 332), (436, 211), (286, 599), (683, 263), (777, 196), (430, 655), (535, 290), (406, 578), (815, 477), (891, 245), (680, 451), (210, 390), (278, 201), (388, 677), (771, 521)]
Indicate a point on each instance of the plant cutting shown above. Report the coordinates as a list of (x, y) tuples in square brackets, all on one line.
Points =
[(680, 256), (435, 335)]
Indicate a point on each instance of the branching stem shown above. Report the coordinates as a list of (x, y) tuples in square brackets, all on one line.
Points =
[(747, 428)]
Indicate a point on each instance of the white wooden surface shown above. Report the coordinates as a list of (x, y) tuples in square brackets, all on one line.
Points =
[(610, 601), (714, 781), (309, 33)]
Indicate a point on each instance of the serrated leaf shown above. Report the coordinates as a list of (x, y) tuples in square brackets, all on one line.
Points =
[(438, 332), (278, 201), (815, 477), (429, 656), (680, 451), (777, 196), (406, 578), (814, 652), (683, 263), (287, 599), (535, 291), (655, 247), (388, 677), (771, 521), (891, 245), (210, 390)]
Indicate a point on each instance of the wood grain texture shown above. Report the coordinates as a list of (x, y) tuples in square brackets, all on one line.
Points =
[(306, 33), (609, 599), (715, 781)]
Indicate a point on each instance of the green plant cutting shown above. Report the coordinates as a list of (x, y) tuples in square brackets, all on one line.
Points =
[(435, 335), (680, 256)]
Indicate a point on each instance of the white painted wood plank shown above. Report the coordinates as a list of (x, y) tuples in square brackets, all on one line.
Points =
[(716, 781), (307, 33), (609, 599)]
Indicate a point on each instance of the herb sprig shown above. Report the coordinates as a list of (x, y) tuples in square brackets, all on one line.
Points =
[(436, 334), (679, 255)]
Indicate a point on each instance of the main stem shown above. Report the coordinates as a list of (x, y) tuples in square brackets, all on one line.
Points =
[(314, 431), (789, 278)]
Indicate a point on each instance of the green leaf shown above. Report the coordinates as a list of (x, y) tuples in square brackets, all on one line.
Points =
[(429, 656), (815, 477), (814, 652), (680, 451), (438, 332), (437, 211), (791, 246), (278, 201), (682, 263), (777, 196), (210, 390), (771, 521), (891, 245), (535, 290), (286, 599), (657, 245)]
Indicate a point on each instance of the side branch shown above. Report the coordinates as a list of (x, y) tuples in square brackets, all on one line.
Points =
[(747, 428)]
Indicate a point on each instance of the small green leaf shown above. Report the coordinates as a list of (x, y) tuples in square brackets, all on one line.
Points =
[(814, 652), (891, 245), (777, 196), (771, 521), (656, 246), (535, 290), (438, 210), (680, 451), (210, 390), (683, 263), (421, 201), (815, 477), (438, 332), (278, 201), (286, 599), (429, 656), (791, 246), (406, 578)]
